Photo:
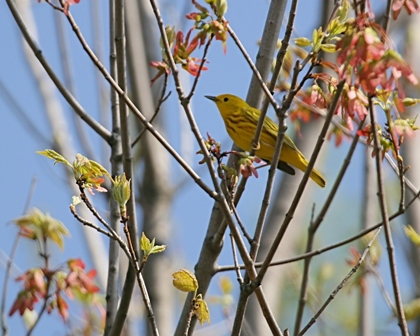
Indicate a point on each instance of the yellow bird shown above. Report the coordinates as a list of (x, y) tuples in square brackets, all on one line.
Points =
[(241, 121)]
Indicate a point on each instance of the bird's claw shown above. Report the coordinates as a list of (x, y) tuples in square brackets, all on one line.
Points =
[(255, 146)]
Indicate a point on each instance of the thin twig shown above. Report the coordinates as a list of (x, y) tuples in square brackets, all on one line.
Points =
[(44, 253), (200, 68), (384, 213), (383, 290), (235, 261), (90, 224), (111, 234), (387, 15), (341, 285), (161, 100), (277, 151), (241, 225)]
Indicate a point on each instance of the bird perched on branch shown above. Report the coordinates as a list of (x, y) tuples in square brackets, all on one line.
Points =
[(241, 121)]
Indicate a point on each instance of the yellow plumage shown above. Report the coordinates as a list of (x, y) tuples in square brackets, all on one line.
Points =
[(241, 121)]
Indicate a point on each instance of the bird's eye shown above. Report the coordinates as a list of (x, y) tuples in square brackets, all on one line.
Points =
[(225, 99)]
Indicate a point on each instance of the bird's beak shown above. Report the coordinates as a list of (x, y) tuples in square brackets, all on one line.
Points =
[(212, 98)]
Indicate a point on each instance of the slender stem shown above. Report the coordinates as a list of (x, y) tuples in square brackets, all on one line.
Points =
[(90, 224), (383, 290), (303, 296), (388, 235), (387, 15), (235, 261), (44, 254), (341, 285), (159, 104), (200, 68)]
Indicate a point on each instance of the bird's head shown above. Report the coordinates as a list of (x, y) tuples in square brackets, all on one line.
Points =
[(226, 103)]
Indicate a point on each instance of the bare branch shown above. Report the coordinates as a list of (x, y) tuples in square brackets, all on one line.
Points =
[(384, 213)]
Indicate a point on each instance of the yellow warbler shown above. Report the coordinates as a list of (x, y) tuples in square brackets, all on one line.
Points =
[(241, 121)]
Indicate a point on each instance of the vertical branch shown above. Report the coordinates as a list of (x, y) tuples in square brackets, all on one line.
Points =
[(366, 323), (116, 169), (154, 186), (120, 53), (384, 213)]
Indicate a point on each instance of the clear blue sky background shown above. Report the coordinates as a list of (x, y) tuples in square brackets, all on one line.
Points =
[(227, 74)]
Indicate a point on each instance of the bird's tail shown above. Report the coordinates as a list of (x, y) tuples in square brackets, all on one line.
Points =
[(318, 178), (299, 161)]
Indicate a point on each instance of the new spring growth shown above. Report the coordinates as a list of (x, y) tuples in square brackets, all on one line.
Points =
[(121, 192)]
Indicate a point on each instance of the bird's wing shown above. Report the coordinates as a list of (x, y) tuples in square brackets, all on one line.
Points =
[(269, 125)]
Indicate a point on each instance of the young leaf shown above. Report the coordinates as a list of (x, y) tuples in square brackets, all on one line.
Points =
[(412, 309), (185, 281), (413, 235), (303, 42), (201, 310), (157, 249), (145, 243), (52, 154)]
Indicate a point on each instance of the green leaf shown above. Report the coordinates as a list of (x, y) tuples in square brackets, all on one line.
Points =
[(99, 170), (221, 7), (52, 154), (157, 249), (412, 234), (410, 101), (303, 42), (145, 244), (121, 191), (42, 226), (329, 48), (185, 281), (201, 310), (412, 309)]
